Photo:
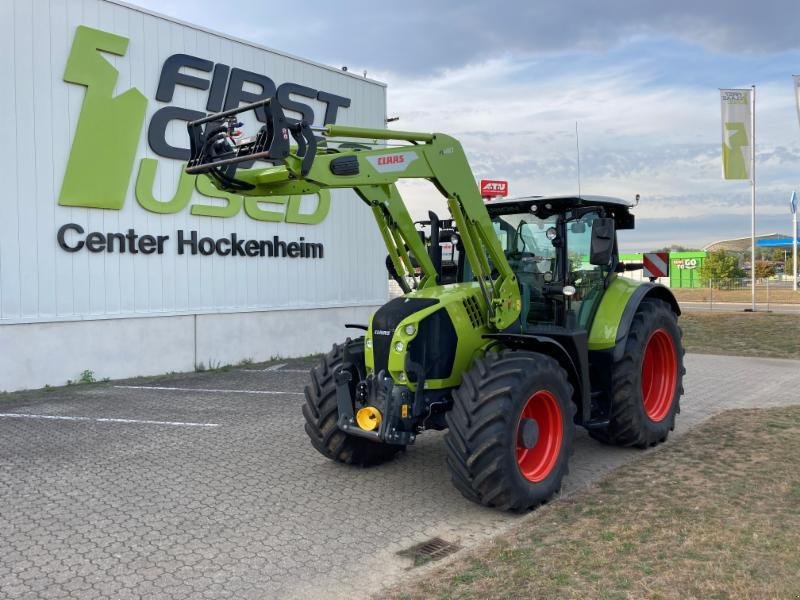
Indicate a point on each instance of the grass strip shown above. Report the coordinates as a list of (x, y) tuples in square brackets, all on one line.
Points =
[(742, 334), (716, 516)]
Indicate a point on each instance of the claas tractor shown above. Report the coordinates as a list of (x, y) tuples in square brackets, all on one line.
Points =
[(535, 334)]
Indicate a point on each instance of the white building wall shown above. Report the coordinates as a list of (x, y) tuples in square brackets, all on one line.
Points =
[(51, 353), (247, 307)]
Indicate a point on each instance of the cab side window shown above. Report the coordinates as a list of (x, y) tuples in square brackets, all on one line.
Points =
[(586, 277)]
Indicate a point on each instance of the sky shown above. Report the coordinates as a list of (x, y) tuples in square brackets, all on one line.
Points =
[(511, 79)]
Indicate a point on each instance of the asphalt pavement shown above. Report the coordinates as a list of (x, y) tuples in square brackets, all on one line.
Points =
[(203, 485)]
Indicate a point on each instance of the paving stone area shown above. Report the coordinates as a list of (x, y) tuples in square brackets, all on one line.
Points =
[(216, 494)]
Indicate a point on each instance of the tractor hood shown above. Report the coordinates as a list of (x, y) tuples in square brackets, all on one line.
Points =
[(439, 327)]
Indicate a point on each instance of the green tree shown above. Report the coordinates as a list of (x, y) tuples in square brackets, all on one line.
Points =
[(764, 269), (718, 266), (789, 268)]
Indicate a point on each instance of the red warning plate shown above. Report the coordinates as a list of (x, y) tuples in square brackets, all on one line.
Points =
[(656, 264)]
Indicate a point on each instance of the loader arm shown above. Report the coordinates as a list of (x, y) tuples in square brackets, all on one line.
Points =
[(372, 173)]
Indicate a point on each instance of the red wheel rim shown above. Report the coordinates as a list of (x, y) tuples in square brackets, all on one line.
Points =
[(536, 463), (659, 375)]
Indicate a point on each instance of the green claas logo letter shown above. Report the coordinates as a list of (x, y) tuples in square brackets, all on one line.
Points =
[(103, 154), (104, 147), (733, 157)]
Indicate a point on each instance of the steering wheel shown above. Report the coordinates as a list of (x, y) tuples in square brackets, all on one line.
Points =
[(515, 258)]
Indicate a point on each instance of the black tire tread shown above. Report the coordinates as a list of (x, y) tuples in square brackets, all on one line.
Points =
[(321, 413), (484, 406)]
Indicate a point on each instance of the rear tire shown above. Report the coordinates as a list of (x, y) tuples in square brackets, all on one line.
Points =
[(321, 412), (486, 453), (647, 382)]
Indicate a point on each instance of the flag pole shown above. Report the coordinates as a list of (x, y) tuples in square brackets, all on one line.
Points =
[(794, 242), (753, 203), (796, 79)]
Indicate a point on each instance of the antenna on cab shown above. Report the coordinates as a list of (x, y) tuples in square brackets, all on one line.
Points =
[(578, 150)]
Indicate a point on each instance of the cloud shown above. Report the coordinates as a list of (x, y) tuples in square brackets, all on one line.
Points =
[(421, 36), (637, 137), (511, 80), (697, 232)]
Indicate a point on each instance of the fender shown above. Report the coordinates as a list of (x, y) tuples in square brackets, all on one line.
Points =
[(570, 350), (614, 316), (645, 290)]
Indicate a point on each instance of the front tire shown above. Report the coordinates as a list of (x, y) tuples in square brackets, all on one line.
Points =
[(321, 412), (511, 430), (647, 382)]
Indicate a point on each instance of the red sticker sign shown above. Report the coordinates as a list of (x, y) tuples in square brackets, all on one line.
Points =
[(491, 188)]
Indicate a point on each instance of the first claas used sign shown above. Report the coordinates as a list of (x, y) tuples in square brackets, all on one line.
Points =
[(492, 188)]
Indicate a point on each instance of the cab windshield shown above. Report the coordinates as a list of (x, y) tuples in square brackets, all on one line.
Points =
[(523, 238)]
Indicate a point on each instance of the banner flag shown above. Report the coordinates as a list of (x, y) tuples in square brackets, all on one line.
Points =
[(797, 93), (736, 134)]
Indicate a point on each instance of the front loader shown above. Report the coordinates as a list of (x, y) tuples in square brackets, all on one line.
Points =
[(539, 332)]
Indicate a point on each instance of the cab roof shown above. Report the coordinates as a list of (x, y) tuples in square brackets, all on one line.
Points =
[(583, 200), (549, 205)]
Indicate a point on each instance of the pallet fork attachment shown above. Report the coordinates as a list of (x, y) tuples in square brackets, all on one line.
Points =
[(218, 150), (371, 169)]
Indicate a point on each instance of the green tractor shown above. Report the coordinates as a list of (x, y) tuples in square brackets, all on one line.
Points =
[(535, 333)]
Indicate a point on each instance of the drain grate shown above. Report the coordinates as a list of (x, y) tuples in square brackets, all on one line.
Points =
[(430, 550)]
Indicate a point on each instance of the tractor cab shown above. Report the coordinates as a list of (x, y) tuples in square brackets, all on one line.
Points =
[(563, 251)]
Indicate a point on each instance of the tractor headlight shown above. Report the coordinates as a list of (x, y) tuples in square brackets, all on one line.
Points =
[(398, 347), (551, 233), (368, 343), (410, 329)]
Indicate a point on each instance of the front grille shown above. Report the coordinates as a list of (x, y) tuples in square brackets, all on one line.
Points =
[(474, 312), (386, 320), (434, 347)]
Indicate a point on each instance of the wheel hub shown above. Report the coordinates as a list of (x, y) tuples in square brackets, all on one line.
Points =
[(528, 433), (540, 431)]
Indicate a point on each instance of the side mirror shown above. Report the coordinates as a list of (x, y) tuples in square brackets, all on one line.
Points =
[(602, 246)]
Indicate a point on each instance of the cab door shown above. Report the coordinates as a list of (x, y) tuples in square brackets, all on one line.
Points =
[(588, 279)]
